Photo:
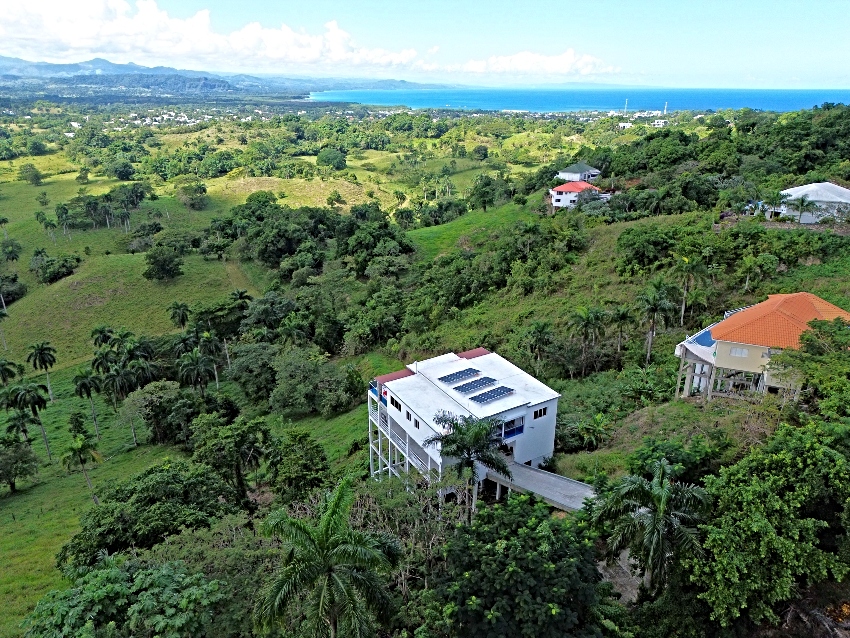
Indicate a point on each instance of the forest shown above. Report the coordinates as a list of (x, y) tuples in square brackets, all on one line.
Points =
[(196, 297)]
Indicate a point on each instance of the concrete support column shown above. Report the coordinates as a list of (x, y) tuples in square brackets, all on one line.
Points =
[(679, 377), (711, 382), (689, 380)]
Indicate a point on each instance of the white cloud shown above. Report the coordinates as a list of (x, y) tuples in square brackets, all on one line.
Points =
[(141, 32)]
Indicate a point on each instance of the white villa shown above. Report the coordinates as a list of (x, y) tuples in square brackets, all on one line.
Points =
[(403, 406), (732, 356), (566, 195), (578, 172), (660, 123), (829, 198)]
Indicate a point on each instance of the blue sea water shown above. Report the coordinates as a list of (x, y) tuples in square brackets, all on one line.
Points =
[(591, 99)]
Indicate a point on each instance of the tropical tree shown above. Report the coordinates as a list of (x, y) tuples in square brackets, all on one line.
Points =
[(621, 318), (538, 336), (8, 371), (210, 347), (19, 424), (241, 298), (17, 461), (3, 221), (179, 314), (589, 325), (471, 442), (775, 199), (86, 382), (332, 570), (689, 270), (195, 369), (102, 335), (42, 356), (655, 519), (655, 306), (802, 205), (30, 396), (80, 451), (118, 381)]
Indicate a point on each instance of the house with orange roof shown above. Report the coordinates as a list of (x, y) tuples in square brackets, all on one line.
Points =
[(731, 357), (566, 195)]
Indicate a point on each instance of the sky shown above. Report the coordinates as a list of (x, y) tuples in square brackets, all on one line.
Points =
[(683, 43)]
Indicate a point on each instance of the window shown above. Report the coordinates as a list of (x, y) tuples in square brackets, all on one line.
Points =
[(540, 413), (513, 427), (408, 415), (739, 352), (394, 402), (416, 423)]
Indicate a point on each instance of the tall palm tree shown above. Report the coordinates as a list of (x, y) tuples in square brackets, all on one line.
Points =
[(621, 317), (471, 442), (19, 424), (589, 325), (241, 298), (802, 205), (334, 571), (118, 381), (210, 347), (185, 343), (30, 396), (655, 306), (179, 314), (80, 451), (689, 270), (654, 518), (102, 335), (538, 335), (9, 370), (86, 382), (42, 356), (103, 360), (195, 369), (775, 199)]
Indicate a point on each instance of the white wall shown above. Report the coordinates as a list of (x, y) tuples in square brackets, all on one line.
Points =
[(538, 439)]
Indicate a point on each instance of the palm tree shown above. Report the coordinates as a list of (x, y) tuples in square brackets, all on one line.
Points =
[(30, 396), (118, 381), (102, 335), (19, 424), (210, 347), (539, 336), (185, 343), (334, 571), (42, 356), (195, 369), (471, 442), (86, 382), (179, 314), (3, 222), (802, 204), (775, 199), (9, 370), (241, 298), (589, 325), (621, 318), (291, 329), (80, 451), (103, 360), (654, 518), (690, 270), (655, 306)]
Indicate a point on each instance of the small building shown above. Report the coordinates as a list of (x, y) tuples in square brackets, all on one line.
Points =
[(660, 123), (578, 172), (731, 357), (403, 406), (566, 195), (625, 125), (829, 198)]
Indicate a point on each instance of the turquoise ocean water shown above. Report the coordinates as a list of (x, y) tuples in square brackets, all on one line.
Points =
[(590, 99)]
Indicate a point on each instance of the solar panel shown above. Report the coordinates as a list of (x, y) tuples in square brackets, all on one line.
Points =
[(492, 395), (475, 384), (454, 377)]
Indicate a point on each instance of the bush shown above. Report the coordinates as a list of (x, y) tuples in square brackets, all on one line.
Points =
[(331, 157), (163, 263), (30, 174), (193, 195), (36, 147)]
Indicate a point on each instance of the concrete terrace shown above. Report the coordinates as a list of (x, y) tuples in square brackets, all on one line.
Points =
[(559, 491)]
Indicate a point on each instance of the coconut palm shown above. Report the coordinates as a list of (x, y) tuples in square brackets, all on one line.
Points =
[(9, 370), (655, 306), (689, 270), (333, 571), (210, 347), (775, 199), (102, 335), (195, 369), (589, 325), (655, 519), (30, 396), (42, 356), (470, 442), (80, 451), (86, 382), (802, 205), (179, 314)]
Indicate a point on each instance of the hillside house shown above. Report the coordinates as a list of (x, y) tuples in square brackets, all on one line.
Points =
[(404, 404), (660, 123), (731, 357), (625, 125), (831, 200), (566, 195), (578, 172)]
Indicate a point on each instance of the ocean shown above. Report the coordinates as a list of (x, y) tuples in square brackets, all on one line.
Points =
[(591, 99)]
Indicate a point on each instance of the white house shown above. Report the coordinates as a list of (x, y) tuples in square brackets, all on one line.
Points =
[(625, 125), (578, 172), (829, 198), (566, 195), (403, 406), (660, 123)]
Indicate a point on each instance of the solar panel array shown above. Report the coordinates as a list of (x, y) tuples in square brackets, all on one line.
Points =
[(475, 384), (454, 377), (492, 395)]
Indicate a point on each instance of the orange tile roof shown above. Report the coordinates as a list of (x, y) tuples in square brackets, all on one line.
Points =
[(472, 354), (777, 322), (574, 187)]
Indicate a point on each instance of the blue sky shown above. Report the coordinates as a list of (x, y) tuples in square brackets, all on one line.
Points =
[(758, 44)]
